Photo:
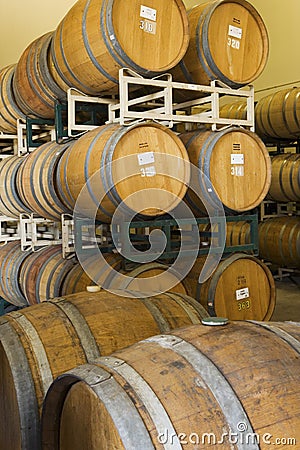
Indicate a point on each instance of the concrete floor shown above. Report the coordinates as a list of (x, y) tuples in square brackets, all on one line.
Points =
[(287, 300)]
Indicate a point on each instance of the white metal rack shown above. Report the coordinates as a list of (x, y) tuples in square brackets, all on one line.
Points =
[(7, 234), (34, 232), (75, 96), (159, 106), (130, 108), (39, 131), (8, 144), (32, 238)]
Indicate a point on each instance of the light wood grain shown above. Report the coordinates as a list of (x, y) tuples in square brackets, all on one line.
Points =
[(43, 273), (240, 187), (34, 87), (285, 183), (214, 53), (151, 277), (83, 41), (258, 368), (107, 323), (93, 273), (116, 150), (239, 271), (11, 203), (37, 179), (9, 110), (279, 241), (278, 115)]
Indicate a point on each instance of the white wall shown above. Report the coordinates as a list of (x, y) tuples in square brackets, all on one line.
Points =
[(22, 21)]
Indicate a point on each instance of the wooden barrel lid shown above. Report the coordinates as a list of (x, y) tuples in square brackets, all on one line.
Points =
[(236, 165), (153, 38), (159, 162), (242, 288), (240, 169), (237, 40)]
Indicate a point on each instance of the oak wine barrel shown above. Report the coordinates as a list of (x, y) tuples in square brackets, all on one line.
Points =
[(229, 42), (37, 181), (11, 260), (279, 241), (236, 165), (11, 203), (278, 115), (40, 342), (285, 182), (237, 233), (151, 277), (9, 109), (236, 110), (97, 38), (93, 273), (146, 159), (43, 274), (34, 87), (241, 288), (192, 388)]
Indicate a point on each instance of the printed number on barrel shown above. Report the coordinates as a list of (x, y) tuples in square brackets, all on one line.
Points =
[(244, 305), (234, 43), (148, 27)]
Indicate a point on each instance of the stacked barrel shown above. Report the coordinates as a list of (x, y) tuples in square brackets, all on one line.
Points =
[(56, 179), (228, 42), (277, 123), (67, 381), (48, 181), (49, 65)]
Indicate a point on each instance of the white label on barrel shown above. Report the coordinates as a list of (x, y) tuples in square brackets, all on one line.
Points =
[(235, 32), (240, 294), (148, 13), (237, 158), (148, 171), (145, 158)]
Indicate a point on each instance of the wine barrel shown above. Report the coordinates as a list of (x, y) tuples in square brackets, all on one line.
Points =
[(237, 233), (236, 165), (37, 181), (102, 34), (93, 272), (9, 110), (236, 110), (34, 87), (146, 159), (192, 388), (278, 115), (11, 203), (279, 241), (39, 343), (285, 183), (241, 288), (43, 274), (11, 260), (229, 42), (150, 278)]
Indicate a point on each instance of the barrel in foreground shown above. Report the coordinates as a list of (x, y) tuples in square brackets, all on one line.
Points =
[(39, 343), (238, 383)]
